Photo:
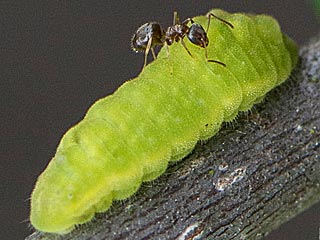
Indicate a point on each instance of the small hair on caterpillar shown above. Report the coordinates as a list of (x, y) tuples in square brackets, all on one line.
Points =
[(152, 34)]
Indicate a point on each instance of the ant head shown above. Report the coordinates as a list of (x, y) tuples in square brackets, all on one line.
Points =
[(198, 36), (147, 31)]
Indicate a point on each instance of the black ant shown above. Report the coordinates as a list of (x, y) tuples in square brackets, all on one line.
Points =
[(152, 34)]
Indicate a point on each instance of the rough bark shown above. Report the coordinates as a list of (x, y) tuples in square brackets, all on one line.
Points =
[(256, 174)]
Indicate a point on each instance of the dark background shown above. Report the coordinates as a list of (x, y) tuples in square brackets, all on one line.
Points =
[(59, 57)]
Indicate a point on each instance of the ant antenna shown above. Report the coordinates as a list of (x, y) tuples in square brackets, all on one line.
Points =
[(176, 19), (216, 61)]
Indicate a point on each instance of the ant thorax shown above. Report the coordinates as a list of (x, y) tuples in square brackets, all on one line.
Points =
[(176, 33), (147, 32)]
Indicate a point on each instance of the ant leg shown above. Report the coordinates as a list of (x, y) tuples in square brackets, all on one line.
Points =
[(185, 47), (224, 21), (147, 52), (176, 19), (167, 49), (206, 51), (153, 54), (210, 60)]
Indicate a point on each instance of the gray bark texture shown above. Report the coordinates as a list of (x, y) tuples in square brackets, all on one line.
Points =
[(254, 175)]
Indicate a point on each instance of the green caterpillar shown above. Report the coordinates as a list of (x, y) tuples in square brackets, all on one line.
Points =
[(129, 137)]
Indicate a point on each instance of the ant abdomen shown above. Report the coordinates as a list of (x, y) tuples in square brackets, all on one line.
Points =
[(149, 32)]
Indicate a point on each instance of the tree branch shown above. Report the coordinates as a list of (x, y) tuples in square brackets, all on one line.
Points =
[(242, 183)]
